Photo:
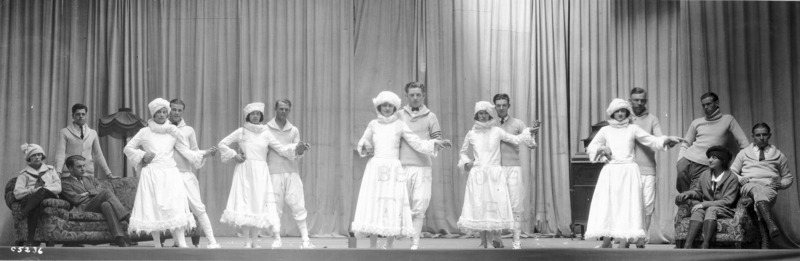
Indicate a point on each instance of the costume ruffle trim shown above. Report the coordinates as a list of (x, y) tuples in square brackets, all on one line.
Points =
[(630, 234), (366, 229), (141, 226), (475, 225), (239, 219)]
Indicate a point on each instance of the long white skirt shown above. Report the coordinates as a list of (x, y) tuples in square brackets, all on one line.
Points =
[(382, 206), (251, 201), (160, 202), (617, 208), (486, 201)]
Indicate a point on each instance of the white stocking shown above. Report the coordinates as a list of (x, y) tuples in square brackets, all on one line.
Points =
[(205, 224), (303, 226), (156, 238), (177, 235)]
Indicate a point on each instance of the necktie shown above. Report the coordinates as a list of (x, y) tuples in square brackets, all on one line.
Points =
[(761, 155), (502, 121), (415, 109), (81, 132)]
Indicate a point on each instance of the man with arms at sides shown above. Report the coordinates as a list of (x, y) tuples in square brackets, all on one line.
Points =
[(509, 160), (417, 166), (645, 156), (186, 169), (86, 193), (285, 175), (704, 133), (79, 139), (762, 170)]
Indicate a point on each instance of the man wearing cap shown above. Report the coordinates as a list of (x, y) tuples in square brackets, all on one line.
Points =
[(713, 197), (424, 124), (79, 139), (762, 170), (35, 183), (711, 130), (86, 193)]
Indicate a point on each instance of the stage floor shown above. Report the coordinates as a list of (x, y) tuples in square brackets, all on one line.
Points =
[(431, 249)]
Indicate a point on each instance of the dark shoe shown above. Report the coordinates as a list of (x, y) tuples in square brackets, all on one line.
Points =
[(121, 242), (766, 215), (72, 245), (497, 243)]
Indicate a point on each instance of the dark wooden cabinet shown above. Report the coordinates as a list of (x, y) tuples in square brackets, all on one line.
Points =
[(582, 180)]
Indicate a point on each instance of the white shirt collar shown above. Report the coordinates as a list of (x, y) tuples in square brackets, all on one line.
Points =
[(758, 150)]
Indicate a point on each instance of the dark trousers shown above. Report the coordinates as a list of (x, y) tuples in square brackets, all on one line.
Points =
[(688, 173), (32, 210), (108, 204)]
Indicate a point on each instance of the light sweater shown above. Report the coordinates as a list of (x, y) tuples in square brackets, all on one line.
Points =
[(289, 134), (426, 126), (704, 133), (183, 164), (70, 143), (774, 167), (27, 180), (509, 152), (645, 155)]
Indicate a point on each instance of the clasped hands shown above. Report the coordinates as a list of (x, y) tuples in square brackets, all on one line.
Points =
[(149, 156), (437, 144), (535, 127)]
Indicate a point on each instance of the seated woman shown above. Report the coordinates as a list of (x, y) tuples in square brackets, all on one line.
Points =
[(713, 196)]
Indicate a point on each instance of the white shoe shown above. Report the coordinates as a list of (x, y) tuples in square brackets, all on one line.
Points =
[(277, 243), (248, 245), (516, 245), (307, 245), (414, 247), (213, 246)]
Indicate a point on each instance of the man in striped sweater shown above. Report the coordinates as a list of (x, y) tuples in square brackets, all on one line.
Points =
[(712, 130), (418, 169), (762, 170)]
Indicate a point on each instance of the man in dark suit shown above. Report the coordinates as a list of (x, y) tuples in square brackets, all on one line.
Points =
[(87, 194)]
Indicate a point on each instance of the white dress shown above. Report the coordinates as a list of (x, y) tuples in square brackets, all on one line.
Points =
[(617, 208), (160, 202), (251, 201), (486, 200), (383, 206)]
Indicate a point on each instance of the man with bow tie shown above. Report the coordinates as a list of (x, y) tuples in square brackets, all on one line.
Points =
[(418, 169), (79, 139), (86, 193)]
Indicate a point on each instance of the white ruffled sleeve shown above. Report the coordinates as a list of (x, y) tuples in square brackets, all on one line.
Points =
[(226, 153), (598, 143), (655, 142), (426, 147), (132, 150), (195, 157), (523, 138), (463, 154), (366, 140)]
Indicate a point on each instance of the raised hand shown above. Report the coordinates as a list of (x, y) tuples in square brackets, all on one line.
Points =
[(301, 148), (441, 144), (213, 150), (535, 127)]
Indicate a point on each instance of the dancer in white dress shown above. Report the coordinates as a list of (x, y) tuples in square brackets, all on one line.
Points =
[(383, 207), (251, 202), (160, 202), (486, 200), (617, 208)]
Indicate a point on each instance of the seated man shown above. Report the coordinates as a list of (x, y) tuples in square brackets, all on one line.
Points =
[(87, 194), (762, 170), (35, 183), (713, 197)]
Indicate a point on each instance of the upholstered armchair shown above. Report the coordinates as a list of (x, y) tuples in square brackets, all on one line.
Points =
[(739, 231), (62, 224)]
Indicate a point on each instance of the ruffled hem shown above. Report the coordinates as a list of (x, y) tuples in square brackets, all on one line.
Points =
[(367, 229), (239, 219), (149, 226), (476, 225), (630, 234)]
